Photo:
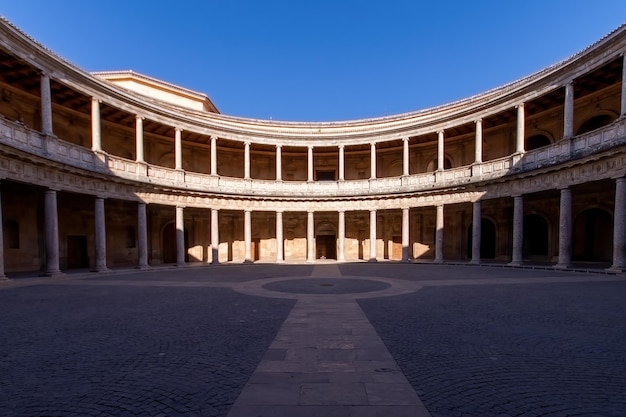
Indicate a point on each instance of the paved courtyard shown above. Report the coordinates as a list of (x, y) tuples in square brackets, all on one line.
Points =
[(353, 340)]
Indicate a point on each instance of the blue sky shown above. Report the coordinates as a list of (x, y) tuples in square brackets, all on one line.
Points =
[(320, 60)]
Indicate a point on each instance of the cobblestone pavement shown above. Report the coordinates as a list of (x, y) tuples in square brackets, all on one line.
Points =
[(472, 341), (552, 350), (76, 350)]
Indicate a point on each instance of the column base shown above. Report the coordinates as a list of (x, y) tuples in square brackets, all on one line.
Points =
[(180, 265), (562, 266), (248, 262), (437, 261), (100, 269), (617, 269), (310, 261), (515, 263), (280, 261), (143, 267), (373, 260), (4, 278), (474, 262)]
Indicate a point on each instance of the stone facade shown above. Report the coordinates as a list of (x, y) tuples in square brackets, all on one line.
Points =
[(96, 174)]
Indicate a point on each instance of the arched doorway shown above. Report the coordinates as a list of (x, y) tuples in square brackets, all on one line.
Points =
[(169, 244), (487, 239), (593, 236), (326, 241), (536, 237), (595, 122)]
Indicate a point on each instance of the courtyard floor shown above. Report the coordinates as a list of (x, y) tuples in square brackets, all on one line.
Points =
[(353, 340)]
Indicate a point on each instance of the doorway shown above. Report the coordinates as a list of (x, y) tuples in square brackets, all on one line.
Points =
[(77, 254), (326, 246), (169, 244)]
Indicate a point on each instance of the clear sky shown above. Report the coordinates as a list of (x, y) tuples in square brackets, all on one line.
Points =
[(322, 60)]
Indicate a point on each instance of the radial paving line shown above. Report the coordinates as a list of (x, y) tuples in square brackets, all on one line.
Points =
[(327, 359)]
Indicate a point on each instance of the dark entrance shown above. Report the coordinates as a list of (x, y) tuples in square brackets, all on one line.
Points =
[(487, 240), (535, 243), (593, 236), (77, 254), (326, 246), (169, 244)]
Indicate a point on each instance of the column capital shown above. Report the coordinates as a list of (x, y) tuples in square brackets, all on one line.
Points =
[(179, 129), (279, 146), (405, 139), (441, 131), (213, 137), (96, 100), (519, 106), (477, 121), (341, 146), (138, 117)]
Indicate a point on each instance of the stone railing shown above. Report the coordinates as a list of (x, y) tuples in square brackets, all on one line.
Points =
[(54, 149)]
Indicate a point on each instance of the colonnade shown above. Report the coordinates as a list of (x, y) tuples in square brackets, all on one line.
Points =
[(564, 233), (96, 137)]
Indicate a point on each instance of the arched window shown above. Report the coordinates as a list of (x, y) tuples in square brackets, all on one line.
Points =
[(596, 122), (536, 142), (12, 234)]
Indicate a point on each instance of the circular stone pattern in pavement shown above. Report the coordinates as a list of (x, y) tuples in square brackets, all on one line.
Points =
[(326, 286)]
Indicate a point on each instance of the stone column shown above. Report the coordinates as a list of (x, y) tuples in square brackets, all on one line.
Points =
[(518, 230), (439, 235), (310, 237), (405, 156), (372, 236), (139, 139), (215, 237), (279, 163), (619, 227), (342, 161), (476, 232), (521, 124), (246, 160), (373, 161), (405, 234), (2, 276), (478, 142), (52, 235), (213, 155), (568, 111), (46, 105), (142, 236), (341, 239), (565, 229), (178, 148), (180, 236), (309, 164), (623, 101), (280, 257), (100, 236), (96, 136), (247, 235), (440, 150)]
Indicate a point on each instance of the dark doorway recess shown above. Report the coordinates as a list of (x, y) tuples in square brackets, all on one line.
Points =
[(487, 239), (169, 244), (326, 246), (77, 253), (593, 236), (535, 243)]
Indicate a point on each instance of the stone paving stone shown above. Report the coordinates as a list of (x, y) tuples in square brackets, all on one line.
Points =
[(73, 350), (529, 349)]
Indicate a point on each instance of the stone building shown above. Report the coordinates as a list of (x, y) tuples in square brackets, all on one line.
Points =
[(117, 169)]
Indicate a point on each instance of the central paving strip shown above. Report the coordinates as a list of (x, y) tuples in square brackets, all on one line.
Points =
[(328, 360)]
